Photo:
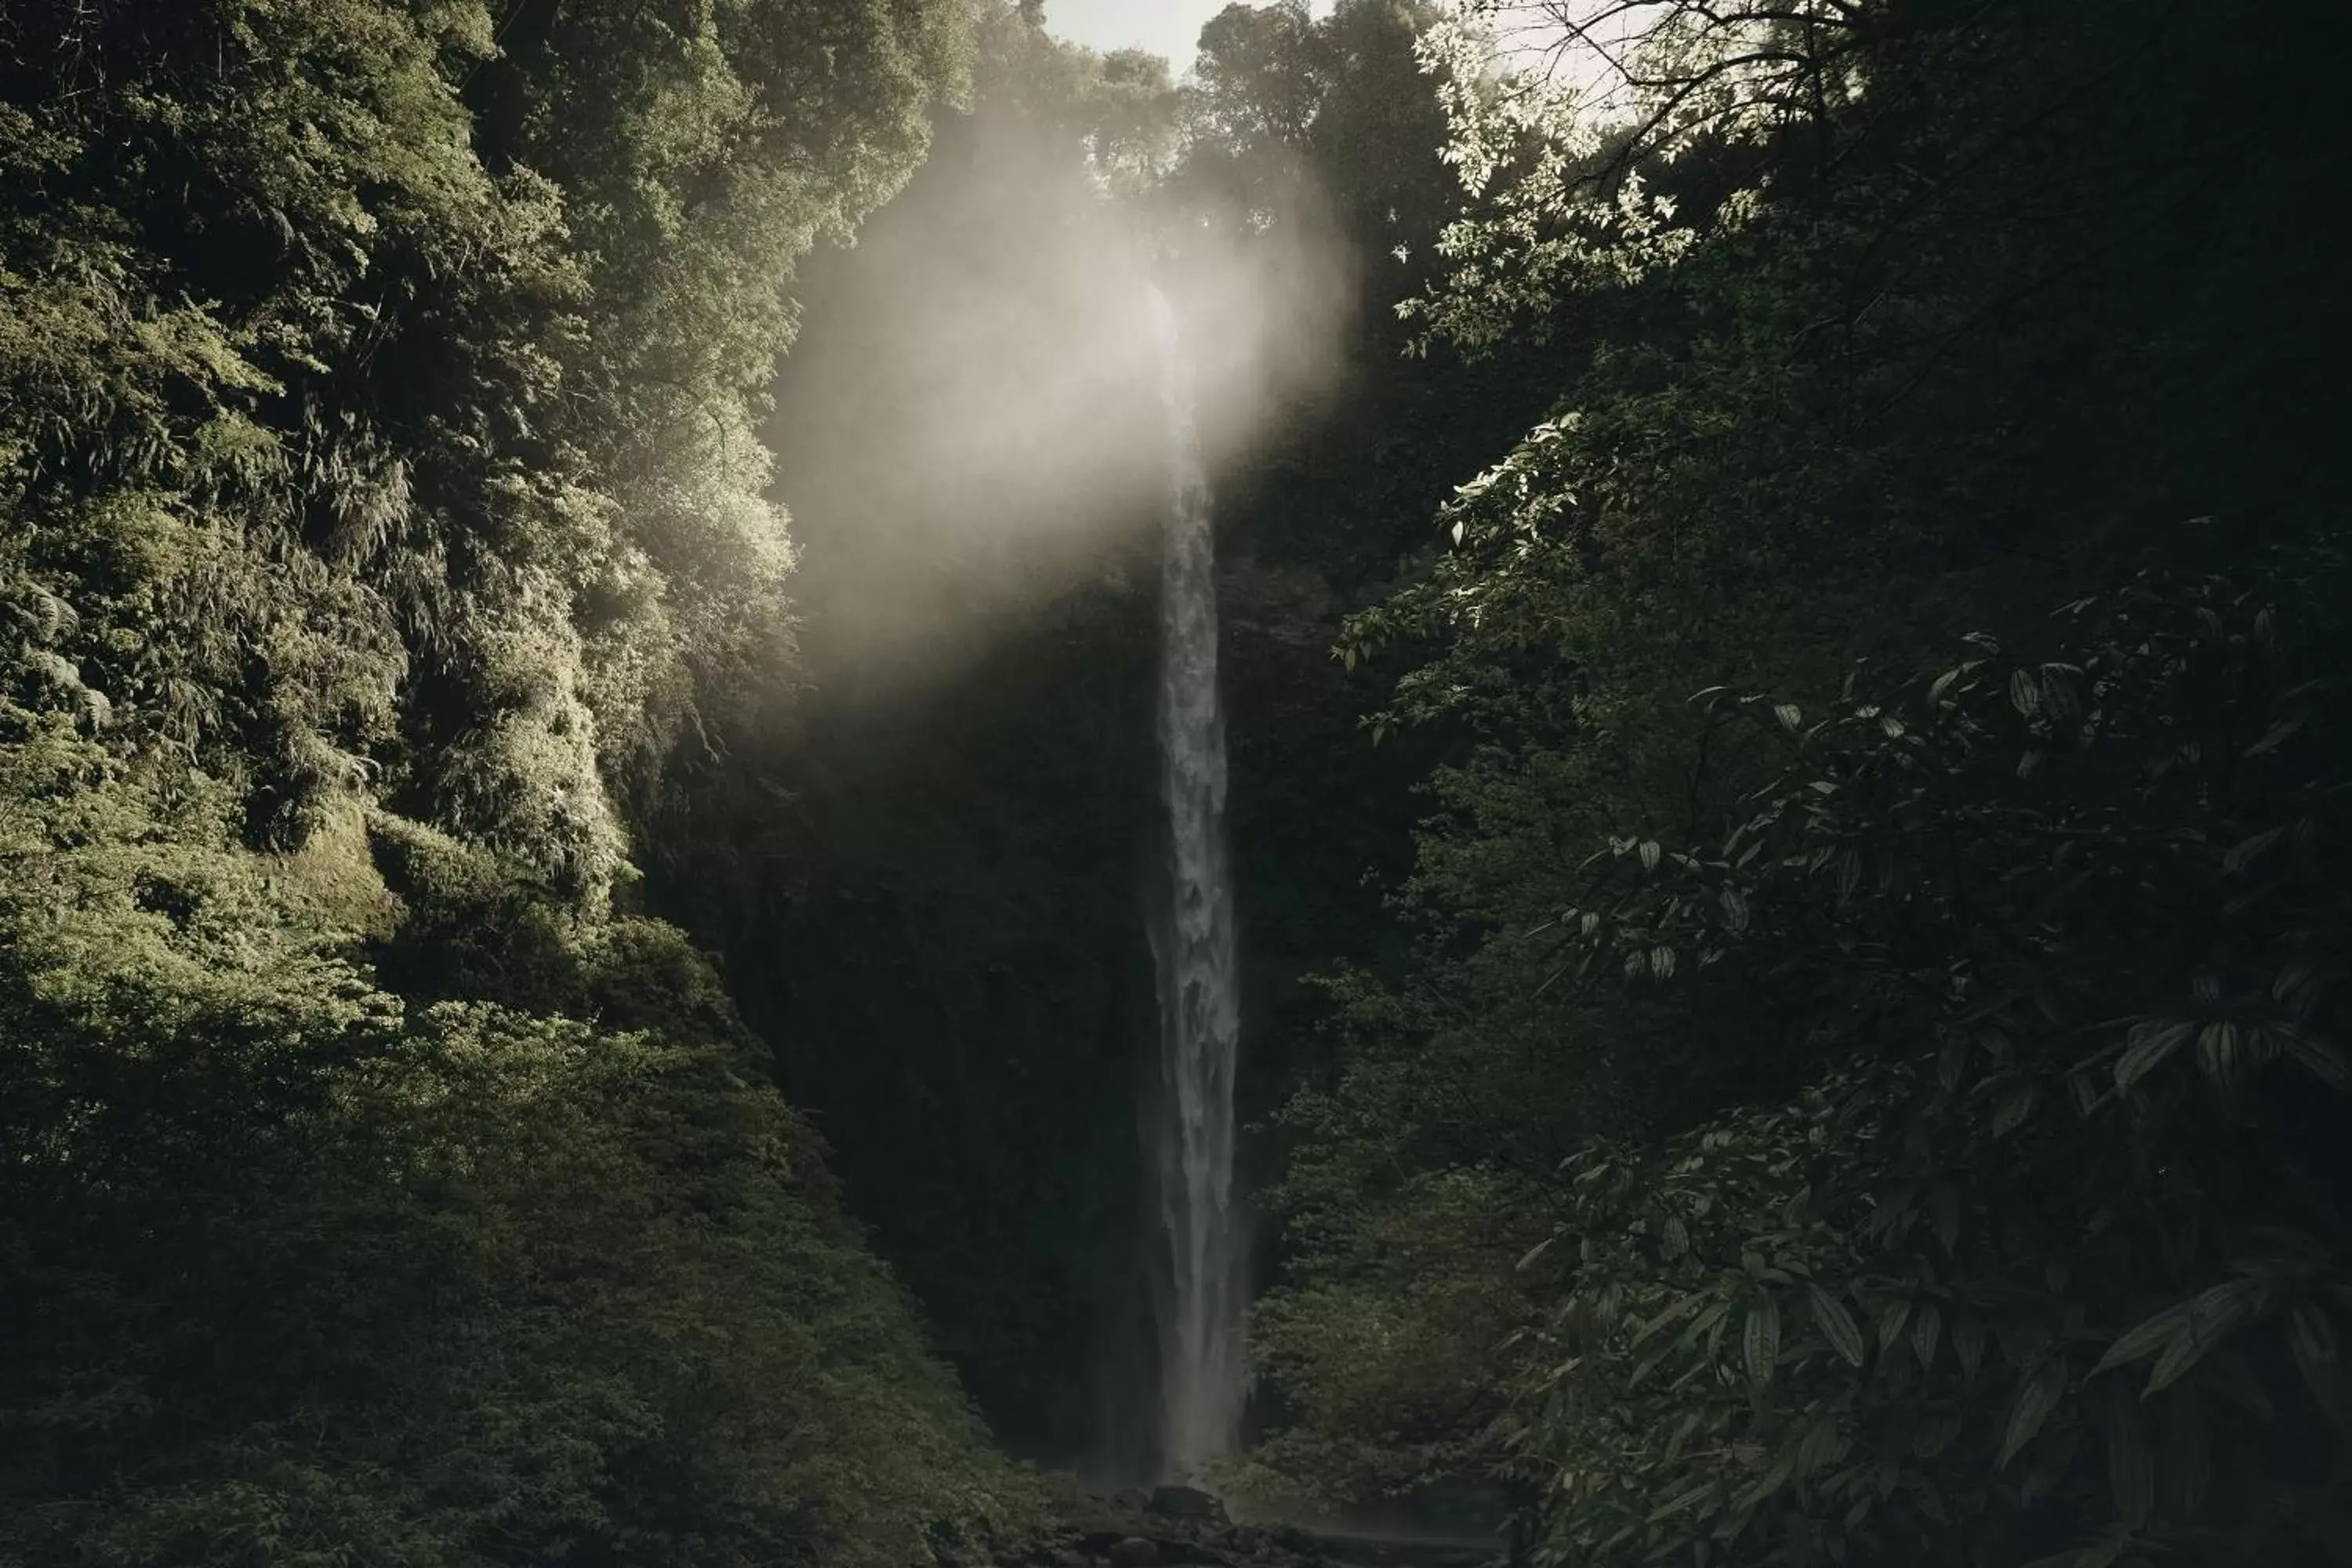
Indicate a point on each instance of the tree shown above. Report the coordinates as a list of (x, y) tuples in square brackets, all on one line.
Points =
[(378, 509), (1874, 331)]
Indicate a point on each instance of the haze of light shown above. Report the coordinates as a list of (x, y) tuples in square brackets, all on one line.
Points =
[(1527, 33), (971, 423), (1166, 27)]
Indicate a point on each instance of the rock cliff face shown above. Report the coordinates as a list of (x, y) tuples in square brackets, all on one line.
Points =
[(1315, 811), (931, 899), (956, 978), (1292, 604)]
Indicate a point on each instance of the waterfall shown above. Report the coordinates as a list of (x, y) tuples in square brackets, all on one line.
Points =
[(1192, 1128)]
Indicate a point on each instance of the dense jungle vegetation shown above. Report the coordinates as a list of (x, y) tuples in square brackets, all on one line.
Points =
[(1785, 636), (385, 512)]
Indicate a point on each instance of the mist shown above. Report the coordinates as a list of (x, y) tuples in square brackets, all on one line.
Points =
[(968, 428)]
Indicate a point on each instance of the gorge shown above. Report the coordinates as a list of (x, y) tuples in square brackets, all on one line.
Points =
[(1624, 840)]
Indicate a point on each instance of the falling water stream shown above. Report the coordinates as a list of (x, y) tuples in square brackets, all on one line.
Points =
[(1192, 1130)]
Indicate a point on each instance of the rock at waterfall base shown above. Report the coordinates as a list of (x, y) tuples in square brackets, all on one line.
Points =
[(1188, 1503)]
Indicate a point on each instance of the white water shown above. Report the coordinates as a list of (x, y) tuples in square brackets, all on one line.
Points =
[(1192, 1132)]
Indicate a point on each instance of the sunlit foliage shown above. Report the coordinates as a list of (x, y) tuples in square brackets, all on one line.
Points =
[(381, 513)]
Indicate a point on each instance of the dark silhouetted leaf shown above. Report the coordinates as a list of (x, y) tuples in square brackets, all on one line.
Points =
[(1760, 1340), (2151, 1041), (1968, 1344), (2205, 1323), (2321, 1060), (2036, 1398), (1925, 1330), (2131, 1473), (1836, 1323)]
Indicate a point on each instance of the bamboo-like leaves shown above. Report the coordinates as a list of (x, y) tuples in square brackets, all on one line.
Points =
[(2024, 692), (2037, 1397), (1925, 1328), (2182, 1335), (2311, 1339), (2320, 1060), (1836, 1323), (1968, 1344), (2013, 1108), (1915, 1257), (2276, 736), (2142, 1341), (2218, 1054), (1890, 1320), (2244, 853), (1944, 1204), (1760, 1340), (2151, 1041)]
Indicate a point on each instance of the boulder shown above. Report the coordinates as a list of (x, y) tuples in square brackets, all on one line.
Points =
[(1134, 1552), (1188, 1503)]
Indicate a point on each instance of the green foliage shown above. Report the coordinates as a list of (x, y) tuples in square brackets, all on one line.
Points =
[(1919, 1104), (903, 864), (2041, 951), (1290, 122), (380, 508), (1386, 1342), (428, 362), (299, 1269), (2059, 932)]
